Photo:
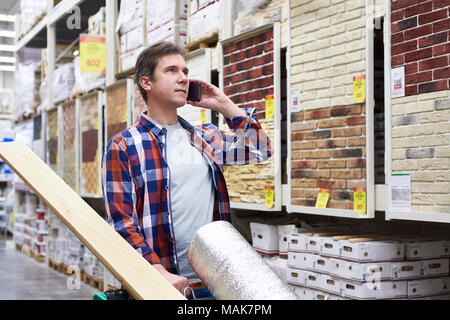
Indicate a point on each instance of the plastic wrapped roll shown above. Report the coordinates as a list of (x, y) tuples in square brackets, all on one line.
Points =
[(230, 268)]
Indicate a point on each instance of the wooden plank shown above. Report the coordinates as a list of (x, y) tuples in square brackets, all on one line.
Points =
[(124, 262)]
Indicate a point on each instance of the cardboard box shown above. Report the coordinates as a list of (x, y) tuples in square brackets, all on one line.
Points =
[(360, 249), (297, 242), (312, 279), (302, 260), (319, 295), (303, 293), (264, 238), (330, 284), (335, 267), (336, 297), (330, 245), (313, 241), (374, 291), (204, 22), (295, 276), (427, 249), (428, 287), (321, 264), (284, 232), (362, 272), (435, 267), (406, 270)]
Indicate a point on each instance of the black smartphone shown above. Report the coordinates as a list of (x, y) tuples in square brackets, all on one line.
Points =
[(195, 91)]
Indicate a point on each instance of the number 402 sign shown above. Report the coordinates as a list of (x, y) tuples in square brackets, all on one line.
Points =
[(92, 53)]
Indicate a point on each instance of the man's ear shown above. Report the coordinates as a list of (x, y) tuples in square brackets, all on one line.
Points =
[(145, 83)]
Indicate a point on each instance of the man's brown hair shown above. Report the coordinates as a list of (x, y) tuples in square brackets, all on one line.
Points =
[(148, 59)]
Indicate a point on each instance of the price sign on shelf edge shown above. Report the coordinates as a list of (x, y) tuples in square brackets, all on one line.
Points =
[(92, 53)]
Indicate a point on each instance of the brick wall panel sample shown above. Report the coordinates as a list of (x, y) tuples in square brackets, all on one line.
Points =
[(331, 154), (420, 43), (69, 152), (246, 183), (421, 146), (90, 155), (420, 120), (116, 111), (248, 79), (328, 135)]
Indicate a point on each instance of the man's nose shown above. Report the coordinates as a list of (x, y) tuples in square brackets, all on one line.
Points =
[(182, 77)]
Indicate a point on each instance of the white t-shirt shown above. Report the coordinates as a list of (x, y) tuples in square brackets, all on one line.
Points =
[(191, 192)]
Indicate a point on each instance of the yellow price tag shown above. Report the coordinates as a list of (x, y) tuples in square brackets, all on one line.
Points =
[(203, 116), (125, 115), (92, 53), (359, 199), (322, 198), (359, 89), (270, 196), (269, 107)]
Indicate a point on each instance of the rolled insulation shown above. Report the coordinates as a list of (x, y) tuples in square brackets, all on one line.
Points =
[(231, 269)]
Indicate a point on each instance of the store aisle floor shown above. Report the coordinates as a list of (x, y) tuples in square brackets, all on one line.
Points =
[(24, 278)]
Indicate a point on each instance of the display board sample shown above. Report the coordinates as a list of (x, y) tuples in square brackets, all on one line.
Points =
[(52, 140), (418, 113), (331, 126), (38, 144), (91, 143), (250, 72), (116, 112), (69, 163), (126, 264)]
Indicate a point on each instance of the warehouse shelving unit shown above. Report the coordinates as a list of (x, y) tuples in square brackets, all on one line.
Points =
[(45, 34)]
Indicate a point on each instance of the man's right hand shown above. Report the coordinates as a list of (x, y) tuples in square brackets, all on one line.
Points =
[(180, 283)]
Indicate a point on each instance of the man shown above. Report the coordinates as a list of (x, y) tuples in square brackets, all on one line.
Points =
[(162, 177)]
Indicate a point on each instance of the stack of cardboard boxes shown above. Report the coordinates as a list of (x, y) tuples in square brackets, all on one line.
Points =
[(336, 265), (131, 28), (166, 20), (342, 263), (97, 22), (204, 19)]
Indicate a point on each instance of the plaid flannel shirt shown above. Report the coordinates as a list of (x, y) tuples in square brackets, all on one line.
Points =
[(136, 178)]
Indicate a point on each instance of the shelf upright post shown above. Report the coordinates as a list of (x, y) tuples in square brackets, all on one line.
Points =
[(51, 45), (111, 45)]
